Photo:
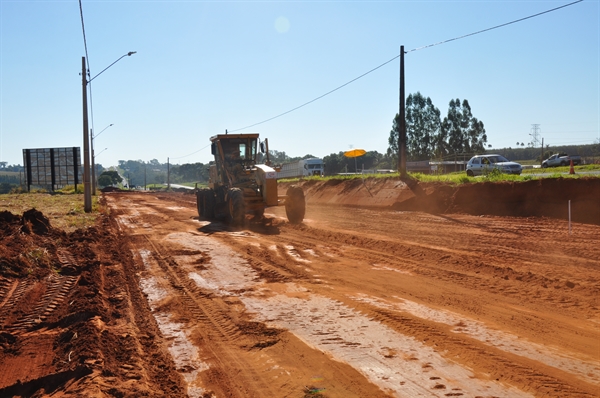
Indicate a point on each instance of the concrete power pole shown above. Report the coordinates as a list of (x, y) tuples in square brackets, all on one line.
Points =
[(87, 191), (402, 132)]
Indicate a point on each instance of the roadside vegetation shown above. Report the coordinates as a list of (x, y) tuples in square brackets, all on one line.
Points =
[(63, 209), (460, 177)]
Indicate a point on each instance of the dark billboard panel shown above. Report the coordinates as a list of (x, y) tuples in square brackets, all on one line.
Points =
[(52, 168)]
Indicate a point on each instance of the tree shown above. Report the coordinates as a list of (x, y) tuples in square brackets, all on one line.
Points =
[(104, 180), (190, 172), (393, 139), (114, 177), (464, 133), (422, 126), (336, 163)]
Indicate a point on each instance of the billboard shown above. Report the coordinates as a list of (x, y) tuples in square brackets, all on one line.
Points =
[(52, 168)]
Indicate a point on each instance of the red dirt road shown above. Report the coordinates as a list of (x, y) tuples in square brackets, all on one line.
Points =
[(354, 302)]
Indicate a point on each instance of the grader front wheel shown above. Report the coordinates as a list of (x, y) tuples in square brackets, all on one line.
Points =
[(295, 204), (235, 204)]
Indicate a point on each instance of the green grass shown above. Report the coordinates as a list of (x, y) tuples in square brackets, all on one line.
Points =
[(65, 211), (460, 177), (562, 169)]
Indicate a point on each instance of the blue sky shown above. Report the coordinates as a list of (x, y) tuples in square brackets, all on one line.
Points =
[(205, 66)]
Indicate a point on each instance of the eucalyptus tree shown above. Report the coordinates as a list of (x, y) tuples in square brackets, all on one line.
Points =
[(422, 126), (461, 130)]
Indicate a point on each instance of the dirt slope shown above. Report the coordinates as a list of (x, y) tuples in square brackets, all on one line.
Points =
[(362, 301), (537, 198)]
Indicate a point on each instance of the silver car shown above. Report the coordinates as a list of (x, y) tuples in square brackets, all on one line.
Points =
[(482, 164)]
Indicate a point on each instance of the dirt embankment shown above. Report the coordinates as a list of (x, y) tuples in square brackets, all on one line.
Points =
[(72, 318), (535, 198)]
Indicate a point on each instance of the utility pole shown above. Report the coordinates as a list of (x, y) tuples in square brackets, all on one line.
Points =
[(93, 164), (402, 132), (542, 157), (87, 193), (168, 175)]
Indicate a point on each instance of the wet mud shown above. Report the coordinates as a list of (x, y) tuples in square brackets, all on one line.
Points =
[(387, 289)]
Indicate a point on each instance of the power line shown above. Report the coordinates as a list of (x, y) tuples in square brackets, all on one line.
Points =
[(311, 101), (83, 30), (397, 56), (87, 61), (193, 153), (495, 27)]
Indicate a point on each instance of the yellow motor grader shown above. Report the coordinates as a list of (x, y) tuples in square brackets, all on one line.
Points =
[(238, 185)]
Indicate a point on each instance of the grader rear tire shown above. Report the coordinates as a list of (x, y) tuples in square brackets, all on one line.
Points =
[(200, 203), (236, 207), (209, 204), (295, 204)]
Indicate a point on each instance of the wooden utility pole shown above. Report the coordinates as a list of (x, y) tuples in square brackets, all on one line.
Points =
[(402, 132)]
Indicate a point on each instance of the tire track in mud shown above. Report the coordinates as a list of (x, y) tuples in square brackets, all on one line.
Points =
[(463, 349), (298, 254), (256, 352), (56, 289), (497, 362), (215, 327), (461, 266)]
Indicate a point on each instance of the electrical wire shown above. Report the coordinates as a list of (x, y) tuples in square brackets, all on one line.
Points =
[(311, 101), (193, 153), (87, 61), (495, 27), (83, 30), (397, 56)]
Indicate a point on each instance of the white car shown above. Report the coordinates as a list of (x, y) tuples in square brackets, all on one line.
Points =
[(482, 164)]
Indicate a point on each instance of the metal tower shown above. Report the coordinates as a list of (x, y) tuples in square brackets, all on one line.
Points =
[(535, 135)]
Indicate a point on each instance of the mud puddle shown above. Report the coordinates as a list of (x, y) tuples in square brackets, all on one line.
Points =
[(183, 352)]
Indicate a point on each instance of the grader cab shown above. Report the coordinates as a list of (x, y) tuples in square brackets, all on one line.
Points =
[(238, 185)]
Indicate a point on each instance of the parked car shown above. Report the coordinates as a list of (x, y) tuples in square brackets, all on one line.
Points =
[(482, 164), (561, 159)]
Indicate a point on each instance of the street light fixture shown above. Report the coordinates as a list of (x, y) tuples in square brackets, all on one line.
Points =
[(87, 192), (94, 159)]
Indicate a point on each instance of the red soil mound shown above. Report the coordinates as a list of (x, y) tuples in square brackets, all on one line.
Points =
[(535, 198)]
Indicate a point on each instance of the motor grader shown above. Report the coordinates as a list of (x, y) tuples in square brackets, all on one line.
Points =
[(239, 185)]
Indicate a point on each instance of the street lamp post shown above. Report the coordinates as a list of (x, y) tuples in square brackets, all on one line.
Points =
[(87, 191), (94, 158)]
